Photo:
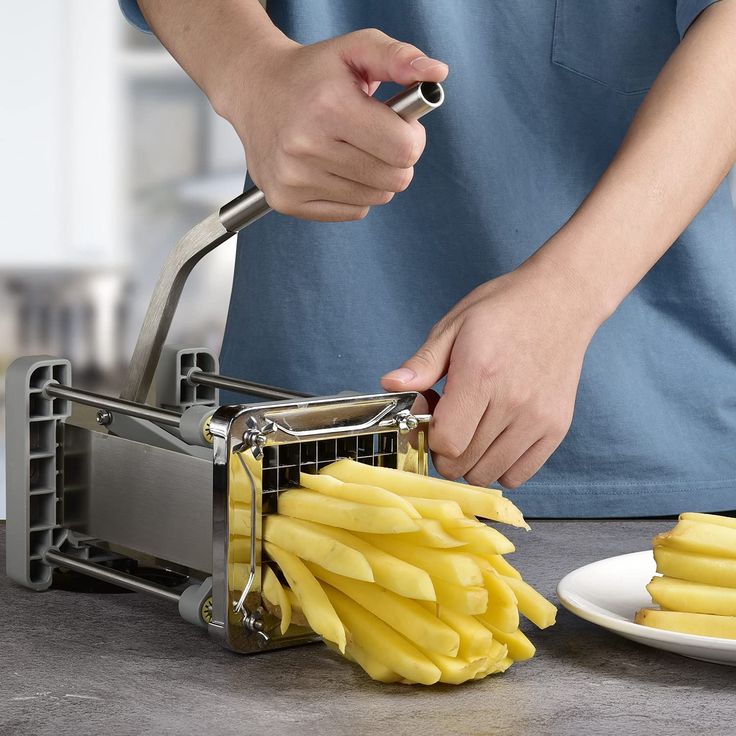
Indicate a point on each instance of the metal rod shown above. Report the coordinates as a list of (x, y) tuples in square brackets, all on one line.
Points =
[(248, 387), (130, 408), (410, 104), (110, 576)]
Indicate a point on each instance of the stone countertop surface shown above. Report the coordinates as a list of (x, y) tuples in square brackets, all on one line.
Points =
[(125, 664)]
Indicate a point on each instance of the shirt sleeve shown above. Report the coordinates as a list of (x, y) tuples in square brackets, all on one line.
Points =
[(687, 11), (133, 15)]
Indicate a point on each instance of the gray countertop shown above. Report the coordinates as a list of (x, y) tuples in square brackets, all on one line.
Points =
[(74, 663)]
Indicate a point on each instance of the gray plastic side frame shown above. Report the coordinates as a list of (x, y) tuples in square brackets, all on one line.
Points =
[(173, 389), (34, 444)]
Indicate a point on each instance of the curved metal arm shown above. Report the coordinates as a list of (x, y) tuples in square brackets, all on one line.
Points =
[(410, 104)]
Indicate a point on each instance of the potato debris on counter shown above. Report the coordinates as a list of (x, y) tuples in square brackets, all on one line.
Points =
[(396, 570), (696, 584)]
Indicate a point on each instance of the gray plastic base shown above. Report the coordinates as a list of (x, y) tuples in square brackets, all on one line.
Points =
[(34, 440)]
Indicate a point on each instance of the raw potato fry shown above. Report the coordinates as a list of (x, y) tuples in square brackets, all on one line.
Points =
[(274, 592), (240, 518), (372, 495), (699, 568), (408, 617), (238, 574), (434, 508), (533, 605), (461, 522), (381, 642), (239, 549), (505, 618), (683, 595), (311, 544), (472, 500), (727, 521), (376, 670), (700, 624), (450, 566), (388, 571), (499, 591), (503, 567), (518, 645), (338, 512), (482, 539), (475, 639), (469, 600), (297, 615), (704, 539), (240, 488), (455, 670), (431, 534), (312, 598)]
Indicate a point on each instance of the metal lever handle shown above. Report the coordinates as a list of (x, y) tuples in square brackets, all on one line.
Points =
[(411, 104)]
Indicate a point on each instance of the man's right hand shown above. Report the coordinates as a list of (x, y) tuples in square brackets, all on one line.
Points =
[(317, 144)]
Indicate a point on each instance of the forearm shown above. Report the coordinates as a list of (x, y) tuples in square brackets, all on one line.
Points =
[(677, 151), (210, 40)]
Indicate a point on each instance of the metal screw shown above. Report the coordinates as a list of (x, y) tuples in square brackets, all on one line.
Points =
[(104, 417)]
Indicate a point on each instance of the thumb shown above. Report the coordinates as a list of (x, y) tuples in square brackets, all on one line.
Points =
[(380, 58), (425, 367)]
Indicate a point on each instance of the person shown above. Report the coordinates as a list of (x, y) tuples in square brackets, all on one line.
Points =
[(567, 239)]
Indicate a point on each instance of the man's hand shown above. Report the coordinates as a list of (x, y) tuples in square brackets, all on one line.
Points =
[(512, 351), (317, 144)]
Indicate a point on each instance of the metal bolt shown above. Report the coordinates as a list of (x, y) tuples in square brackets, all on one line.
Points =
[(104, 417), (406, 421)]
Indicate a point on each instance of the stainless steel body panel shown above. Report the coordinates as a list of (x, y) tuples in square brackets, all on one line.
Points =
[(153, 501)]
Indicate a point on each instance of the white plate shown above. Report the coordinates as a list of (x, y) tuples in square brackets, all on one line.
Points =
[(609, 592)]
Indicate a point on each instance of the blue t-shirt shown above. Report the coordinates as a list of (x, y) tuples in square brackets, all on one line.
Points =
[(539, 97)]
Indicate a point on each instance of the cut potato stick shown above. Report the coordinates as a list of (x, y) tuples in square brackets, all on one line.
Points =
[(475, 638), (677, 563), (503, 566), (518, 645), (455, 670), (240, 520), (704, 539), (460, 523), (376, 670), (372, 495), (381, 642), (684, 595), (312, 544), (338, 512), (312, 598), (297, 615), (388, 571), (238, 573), (431, 534), (727, 521), (499, 591), (447, 565), (239, 549), (700, 624), (408, 617), (472, 500), (470, 600), (435, 508), (504, 618), (274, 592), (484, 540), (532, 604)]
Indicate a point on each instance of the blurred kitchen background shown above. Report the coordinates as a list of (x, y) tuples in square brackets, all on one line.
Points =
[(108, 154)]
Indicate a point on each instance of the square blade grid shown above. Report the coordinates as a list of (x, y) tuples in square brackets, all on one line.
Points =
[(283, 463)]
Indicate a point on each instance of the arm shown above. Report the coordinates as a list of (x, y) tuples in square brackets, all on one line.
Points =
[(317, 144), (513, 349)]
